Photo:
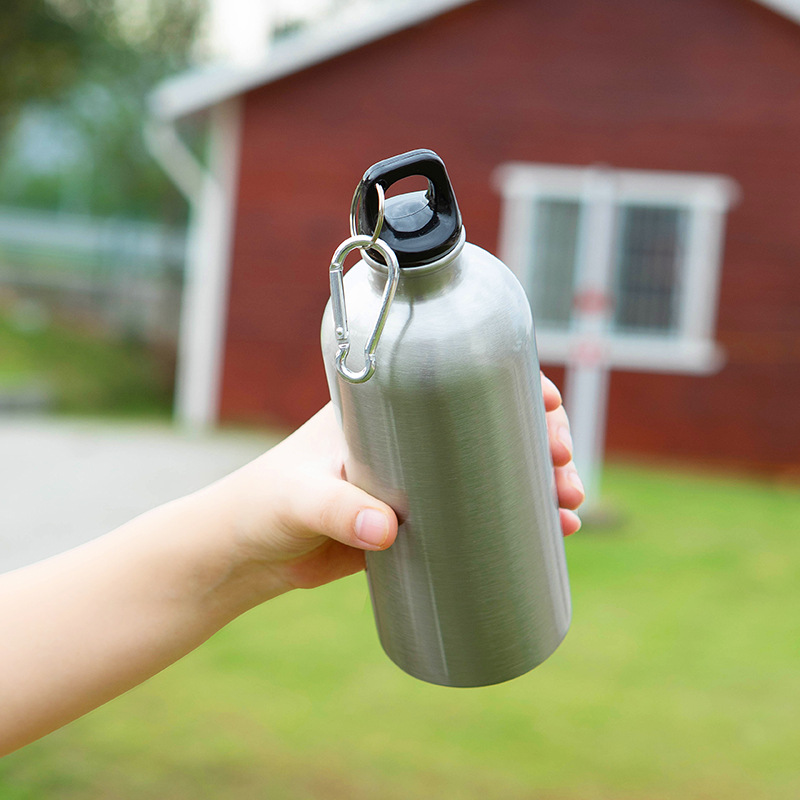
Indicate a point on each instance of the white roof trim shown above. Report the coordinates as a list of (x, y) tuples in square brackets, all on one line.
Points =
[(196, 89), (200, 88)]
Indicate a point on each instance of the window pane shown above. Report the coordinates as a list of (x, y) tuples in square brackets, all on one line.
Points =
[(555, 235), (650, 252)]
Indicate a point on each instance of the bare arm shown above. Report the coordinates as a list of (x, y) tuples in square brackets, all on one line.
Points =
[(85, 626)]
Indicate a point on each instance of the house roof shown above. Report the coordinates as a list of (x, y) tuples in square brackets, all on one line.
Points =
[(200, 88)]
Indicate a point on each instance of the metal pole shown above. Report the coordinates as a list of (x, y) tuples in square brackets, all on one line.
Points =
[(588, 369)]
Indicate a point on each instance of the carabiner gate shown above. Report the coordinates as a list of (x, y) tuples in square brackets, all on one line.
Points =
[(340, 310)]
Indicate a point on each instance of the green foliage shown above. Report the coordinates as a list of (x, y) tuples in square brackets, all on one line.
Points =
[(78, 73), (40, 55), (85, 373), (678, 681)]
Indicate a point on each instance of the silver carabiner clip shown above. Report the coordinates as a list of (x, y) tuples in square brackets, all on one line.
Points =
[(340, 310)]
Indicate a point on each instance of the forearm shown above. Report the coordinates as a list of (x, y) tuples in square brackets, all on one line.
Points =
[(85, 626)]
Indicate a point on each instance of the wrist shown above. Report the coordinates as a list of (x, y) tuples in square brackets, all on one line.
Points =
[(222, 574)]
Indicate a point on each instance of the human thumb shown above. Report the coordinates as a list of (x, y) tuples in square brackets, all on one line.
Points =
[(335, 508)]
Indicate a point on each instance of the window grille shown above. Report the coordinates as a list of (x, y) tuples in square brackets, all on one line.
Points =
[(554, 247), (650, 260), (663, 235)]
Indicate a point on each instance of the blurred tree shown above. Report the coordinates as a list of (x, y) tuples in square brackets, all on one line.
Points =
[(74, 76), (40, 55)]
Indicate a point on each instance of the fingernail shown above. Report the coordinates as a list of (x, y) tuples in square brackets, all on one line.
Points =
[(565, 438), (552, 386), (577, 521), (372, 527), (576, 482)]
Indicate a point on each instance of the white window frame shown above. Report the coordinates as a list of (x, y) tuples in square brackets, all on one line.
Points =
[(601, 190)]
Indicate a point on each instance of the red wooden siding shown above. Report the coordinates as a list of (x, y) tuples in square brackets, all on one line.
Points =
[(688, 85)]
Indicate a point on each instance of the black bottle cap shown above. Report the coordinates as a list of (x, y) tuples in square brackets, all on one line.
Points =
[(421, 227)]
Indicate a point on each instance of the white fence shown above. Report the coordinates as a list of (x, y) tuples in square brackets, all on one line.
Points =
[(122, 275)]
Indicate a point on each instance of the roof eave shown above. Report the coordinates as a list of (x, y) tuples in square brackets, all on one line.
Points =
[(196, 89)]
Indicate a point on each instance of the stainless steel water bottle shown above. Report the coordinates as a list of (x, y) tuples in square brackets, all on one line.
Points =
[(431, 363)]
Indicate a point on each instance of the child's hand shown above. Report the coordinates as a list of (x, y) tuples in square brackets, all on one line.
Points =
[(308, 526), (301, 518)]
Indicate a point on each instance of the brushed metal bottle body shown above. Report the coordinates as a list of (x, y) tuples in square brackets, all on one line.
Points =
[(450, 431)]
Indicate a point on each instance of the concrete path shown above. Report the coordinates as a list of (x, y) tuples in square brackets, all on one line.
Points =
[(64, 481)]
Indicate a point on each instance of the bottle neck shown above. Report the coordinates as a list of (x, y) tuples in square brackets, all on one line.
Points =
[(423, 278)]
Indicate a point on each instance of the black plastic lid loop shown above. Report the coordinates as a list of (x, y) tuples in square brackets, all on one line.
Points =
[(420, 227)]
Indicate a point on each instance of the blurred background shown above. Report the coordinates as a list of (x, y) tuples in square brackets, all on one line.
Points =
[(174, 178)]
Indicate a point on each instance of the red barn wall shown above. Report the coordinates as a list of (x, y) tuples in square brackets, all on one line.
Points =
[(688, 85)]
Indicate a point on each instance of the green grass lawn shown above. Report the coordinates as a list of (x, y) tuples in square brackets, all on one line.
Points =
[(84, 373), (679, 679)]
